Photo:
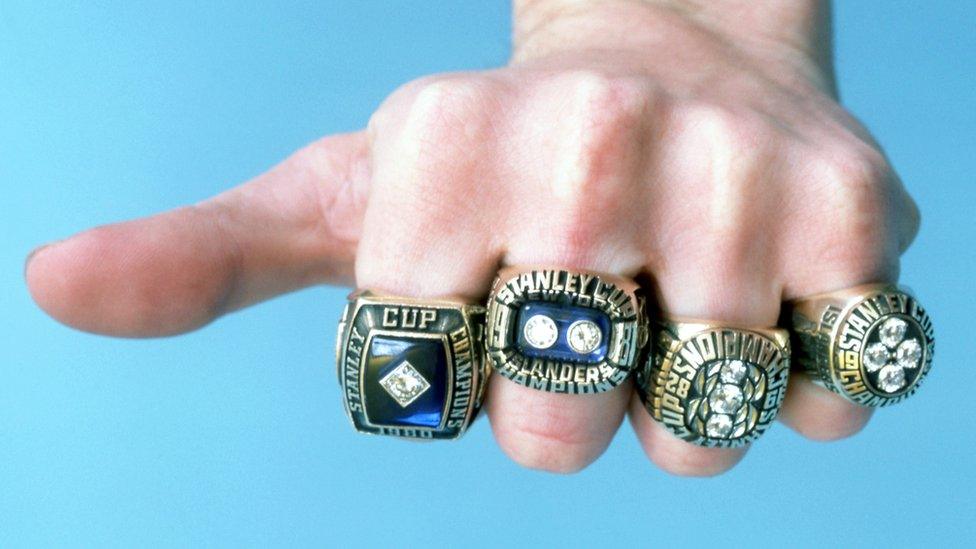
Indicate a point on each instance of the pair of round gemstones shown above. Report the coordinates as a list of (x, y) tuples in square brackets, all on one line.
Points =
[(583, 336)]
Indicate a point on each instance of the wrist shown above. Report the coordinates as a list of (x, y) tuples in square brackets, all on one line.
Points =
[(793, 31)]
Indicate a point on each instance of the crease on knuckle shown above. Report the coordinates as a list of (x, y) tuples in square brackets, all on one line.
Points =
[(549, 441)]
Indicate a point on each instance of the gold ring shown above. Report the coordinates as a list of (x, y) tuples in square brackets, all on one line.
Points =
[(715, 385), (411, 368), (565, 331), (872, 344)]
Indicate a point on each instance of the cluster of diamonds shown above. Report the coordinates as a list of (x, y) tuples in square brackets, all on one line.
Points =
[(892, 355), (726, 399), (404, 384)]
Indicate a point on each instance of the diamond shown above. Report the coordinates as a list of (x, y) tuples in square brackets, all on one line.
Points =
[(892, 331), (584, 336), (909, 354), (719, 426), (733, 371), (891, 378), (540, 332), (725, 399), (876, 356), (404, 384)]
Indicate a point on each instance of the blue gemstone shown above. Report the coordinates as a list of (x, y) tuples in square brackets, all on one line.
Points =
[(563, 316), (426, 357)]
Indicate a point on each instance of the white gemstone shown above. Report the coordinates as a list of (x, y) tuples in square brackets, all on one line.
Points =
[(404, 384), (584, 336), (719, 426), (891, 378), (876, 356), (540, 332), (909, 354), (892, 331), (725, 399), (733, 371)]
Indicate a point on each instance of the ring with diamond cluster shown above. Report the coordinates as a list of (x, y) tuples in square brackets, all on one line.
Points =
[(409, 367), (872, 344), (715, 385), (564, 331)]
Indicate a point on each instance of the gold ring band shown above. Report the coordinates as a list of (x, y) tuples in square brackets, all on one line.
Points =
[(715, 385), (564, 330), (411, 368), (873, 344)]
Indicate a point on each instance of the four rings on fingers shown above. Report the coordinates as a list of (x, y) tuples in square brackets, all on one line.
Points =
[(418, 368)]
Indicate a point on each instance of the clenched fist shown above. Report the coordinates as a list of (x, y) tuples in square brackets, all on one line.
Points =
[(698, 146)]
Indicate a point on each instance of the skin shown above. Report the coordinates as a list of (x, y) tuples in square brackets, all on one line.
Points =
[(699, 146)]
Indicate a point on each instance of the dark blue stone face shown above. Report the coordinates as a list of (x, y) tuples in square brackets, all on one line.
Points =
[(429, 358), (563, 316)]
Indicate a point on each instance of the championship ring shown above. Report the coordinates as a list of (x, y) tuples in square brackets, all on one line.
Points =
[(409, 367), (564, 331), (714, 385), (872, 344)]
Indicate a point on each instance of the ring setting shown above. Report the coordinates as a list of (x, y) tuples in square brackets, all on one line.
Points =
[(713, 385), (411, 368), (872, 344), (564, 331)]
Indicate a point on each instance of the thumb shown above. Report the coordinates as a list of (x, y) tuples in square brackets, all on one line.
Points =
[(294, 226)]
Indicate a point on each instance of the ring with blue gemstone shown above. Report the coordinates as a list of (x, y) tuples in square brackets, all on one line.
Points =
[(872, 344), (565, 331), (715, 385), (411, 368)]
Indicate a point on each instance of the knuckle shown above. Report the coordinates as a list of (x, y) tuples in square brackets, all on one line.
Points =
[(447, 109), (856, 200), (443, 132), (598, 125), (430, 140), (602, 117), (857, 245), (605, 100), (698, 124), (723, 155), (854, 170)]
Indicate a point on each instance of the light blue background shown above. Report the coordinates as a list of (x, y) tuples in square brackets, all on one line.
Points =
[(234, 435)]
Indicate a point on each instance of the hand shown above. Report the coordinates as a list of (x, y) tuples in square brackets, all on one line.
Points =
[(701, 147)]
